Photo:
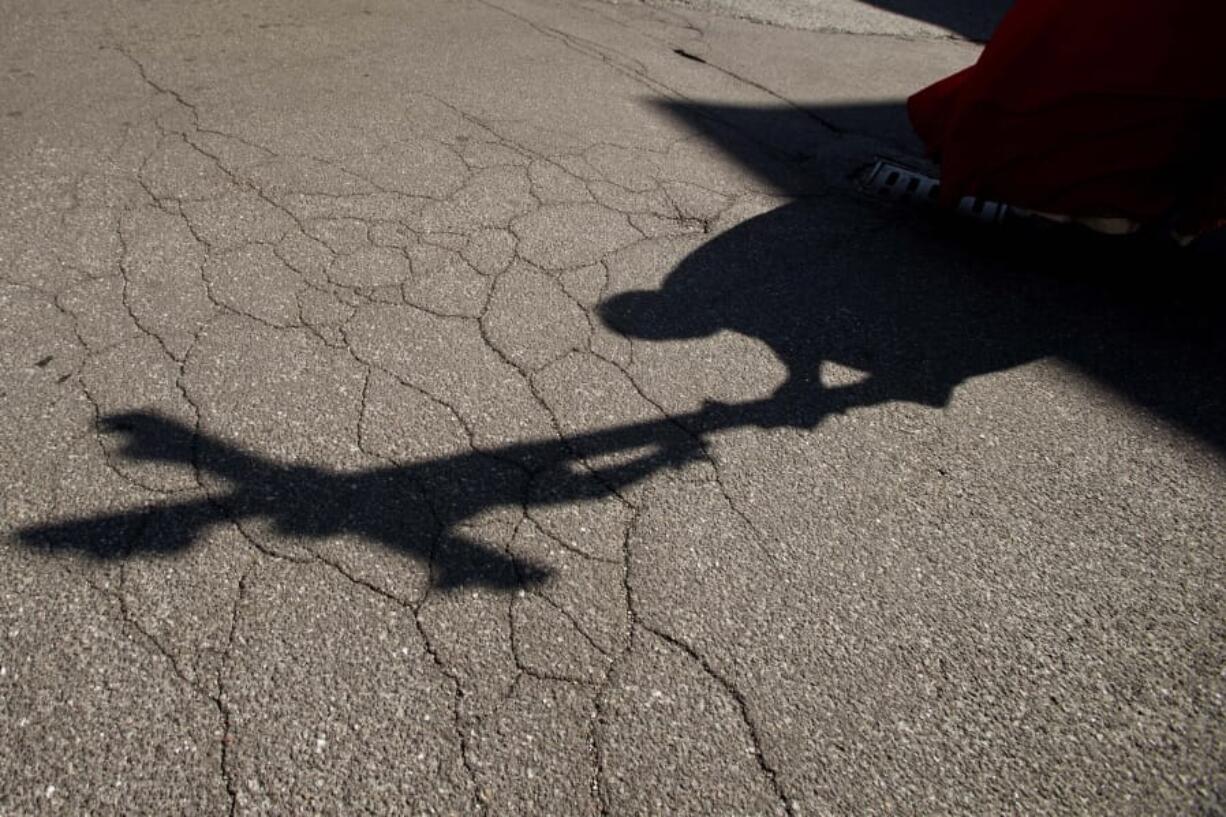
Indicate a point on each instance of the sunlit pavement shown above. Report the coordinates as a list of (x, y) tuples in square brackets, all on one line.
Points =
[(517, 407)]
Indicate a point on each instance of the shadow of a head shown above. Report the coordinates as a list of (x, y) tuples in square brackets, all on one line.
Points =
[(836, 282), (653, 315)]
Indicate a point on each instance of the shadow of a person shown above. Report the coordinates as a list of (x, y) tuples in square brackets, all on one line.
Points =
[(916, 305), (920, 304)]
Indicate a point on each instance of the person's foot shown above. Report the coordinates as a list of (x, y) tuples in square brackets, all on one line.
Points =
[(897, 182)]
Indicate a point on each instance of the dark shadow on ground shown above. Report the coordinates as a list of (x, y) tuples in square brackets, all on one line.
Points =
[(920, 305), (972, 19), (921, 300), (417, 509), (917, 302)]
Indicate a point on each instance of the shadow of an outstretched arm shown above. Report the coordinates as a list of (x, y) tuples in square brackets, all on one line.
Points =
[(418, 509)]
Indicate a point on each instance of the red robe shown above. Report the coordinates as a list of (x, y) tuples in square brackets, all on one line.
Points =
[(1089, 108)]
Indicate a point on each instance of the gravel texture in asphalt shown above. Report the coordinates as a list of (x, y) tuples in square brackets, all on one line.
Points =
[(515, 407)]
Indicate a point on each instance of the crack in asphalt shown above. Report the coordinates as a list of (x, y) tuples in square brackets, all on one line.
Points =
[(223, 707), (145, 637), (764, 765)]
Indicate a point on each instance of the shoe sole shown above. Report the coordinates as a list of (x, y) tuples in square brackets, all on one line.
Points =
[(898, 183)]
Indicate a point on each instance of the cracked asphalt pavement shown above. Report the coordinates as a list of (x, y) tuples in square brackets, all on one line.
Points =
[(518, 407)]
